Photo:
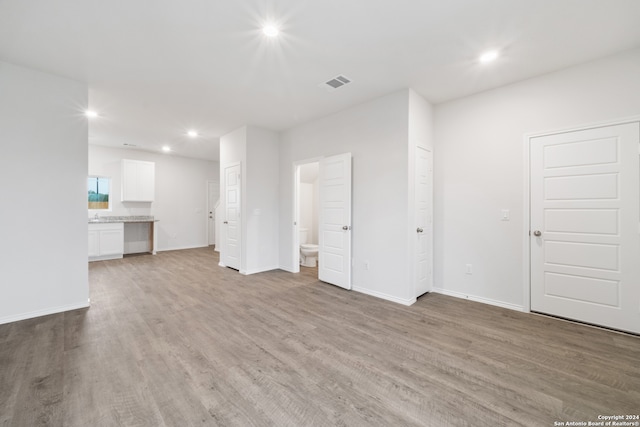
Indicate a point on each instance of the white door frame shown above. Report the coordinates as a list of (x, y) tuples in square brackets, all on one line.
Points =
[(296, 201), (526, 243)]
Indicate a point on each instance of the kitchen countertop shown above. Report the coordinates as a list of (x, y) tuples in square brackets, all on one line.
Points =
[(111, 219)]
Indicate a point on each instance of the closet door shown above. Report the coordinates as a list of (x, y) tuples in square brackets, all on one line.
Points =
[(232, 247), (585, 214)]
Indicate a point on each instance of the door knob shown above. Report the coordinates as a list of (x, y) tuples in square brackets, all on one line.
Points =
[(419, 230), (210, 216), (345, 227), (226, 222), (537, 233)]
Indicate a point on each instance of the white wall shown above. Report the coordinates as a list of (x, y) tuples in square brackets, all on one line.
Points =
[(376, 133), (257, 151), (262, 204), (43, 172), (180, 193), (479, 167), (309, 200), (309, 210), (306, 210), (315, 212)]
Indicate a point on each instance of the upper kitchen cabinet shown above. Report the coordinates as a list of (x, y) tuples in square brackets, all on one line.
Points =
[(138, 181)]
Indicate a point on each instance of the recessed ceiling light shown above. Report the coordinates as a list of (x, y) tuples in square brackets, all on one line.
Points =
[(91, 113), (270, 30), (488, 56), (192, 133), (166, 149)]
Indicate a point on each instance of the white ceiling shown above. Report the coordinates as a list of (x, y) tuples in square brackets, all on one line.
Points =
[(156, 68)]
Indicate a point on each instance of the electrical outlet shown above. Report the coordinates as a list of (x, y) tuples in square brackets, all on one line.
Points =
[(469, 269)]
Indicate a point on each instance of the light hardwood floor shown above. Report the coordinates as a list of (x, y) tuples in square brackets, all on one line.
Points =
[(175, 340)]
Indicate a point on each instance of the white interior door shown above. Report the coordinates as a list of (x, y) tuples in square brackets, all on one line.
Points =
[(213, 194), (585, 241), (232, 247), (334, 240), (424, 220)]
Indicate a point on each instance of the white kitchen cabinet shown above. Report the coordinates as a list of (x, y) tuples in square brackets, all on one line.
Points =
[(94, 242), (138, 181), (106, 241)]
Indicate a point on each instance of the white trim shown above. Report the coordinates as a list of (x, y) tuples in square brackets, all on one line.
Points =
[(384, 296), (260, 270), (479, 299), (574, 128), (526, 247), (44, 312), (105, 257), (288, 269), (526, 221), (295, 247), (181, 248)]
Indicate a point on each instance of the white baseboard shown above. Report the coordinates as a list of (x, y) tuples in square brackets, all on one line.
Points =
[(479, 299), (104, 257), (180, 248), (384, 296), (43, 312), (259, 270), (287, 269)]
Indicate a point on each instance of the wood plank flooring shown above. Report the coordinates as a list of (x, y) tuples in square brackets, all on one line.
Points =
[(176, 340)]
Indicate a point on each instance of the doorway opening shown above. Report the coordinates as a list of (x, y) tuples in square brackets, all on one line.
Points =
[(306, 218), (332, 229)]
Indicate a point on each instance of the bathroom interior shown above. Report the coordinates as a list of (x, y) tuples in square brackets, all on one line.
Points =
[(308, 207)]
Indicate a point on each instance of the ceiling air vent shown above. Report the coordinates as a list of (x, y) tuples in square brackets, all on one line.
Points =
[(126, 144), (336, 82)]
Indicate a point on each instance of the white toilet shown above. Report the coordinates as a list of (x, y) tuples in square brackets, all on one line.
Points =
[(308, 251)]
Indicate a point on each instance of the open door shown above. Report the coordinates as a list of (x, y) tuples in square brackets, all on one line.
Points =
[(334, 239)]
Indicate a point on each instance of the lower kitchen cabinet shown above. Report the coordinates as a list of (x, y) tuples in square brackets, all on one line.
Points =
[(106, 241)]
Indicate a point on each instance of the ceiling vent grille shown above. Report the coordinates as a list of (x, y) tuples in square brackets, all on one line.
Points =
[(336, 82), (126, 144)]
